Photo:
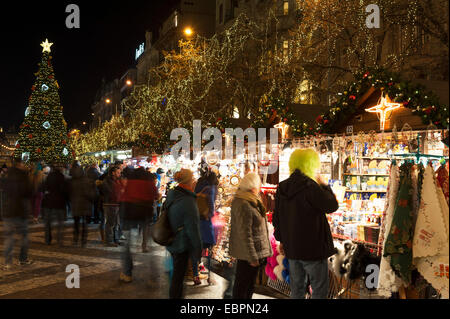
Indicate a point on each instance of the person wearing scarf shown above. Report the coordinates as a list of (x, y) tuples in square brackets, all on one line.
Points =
[(249, 235)]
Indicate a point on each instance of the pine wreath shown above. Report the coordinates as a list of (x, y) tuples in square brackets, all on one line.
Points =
[(423, 103)]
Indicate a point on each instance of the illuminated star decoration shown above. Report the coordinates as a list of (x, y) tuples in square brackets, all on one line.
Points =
[(383, 108), (284, 127), (46, 45)]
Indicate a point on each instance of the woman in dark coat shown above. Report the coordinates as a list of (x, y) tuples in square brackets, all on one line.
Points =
[(82, 196), (184, 220), (206, 184)]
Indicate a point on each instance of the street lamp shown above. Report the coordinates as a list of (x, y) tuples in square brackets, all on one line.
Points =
[(188, 31)]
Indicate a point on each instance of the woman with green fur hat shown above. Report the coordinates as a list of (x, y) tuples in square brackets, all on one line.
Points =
[(301, 204)]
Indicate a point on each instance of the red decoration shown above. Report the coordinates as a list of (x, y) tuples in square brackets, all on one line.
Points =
[(46, 113), (30, 136), (390, 84), (326, 122), (17, 146), (38, 150), (366, 74), (33, 88), (352, 97), (319, 119), (285, 120), (428, 110), (50, 76)]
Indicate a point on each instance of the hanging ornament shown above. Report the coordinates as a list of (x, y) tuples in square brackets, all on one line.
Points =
[(46, 125), (65, 152), (44, 88), (27, 111)]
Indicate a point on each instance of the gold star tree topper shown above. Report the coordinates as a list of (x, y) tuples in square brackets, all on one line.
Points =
[(46, 45), (383, 108)]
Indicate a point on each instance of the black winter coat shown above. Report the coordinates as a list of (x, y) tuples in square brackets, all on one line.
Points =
[(56, 191), (300, 219), (18, 190)]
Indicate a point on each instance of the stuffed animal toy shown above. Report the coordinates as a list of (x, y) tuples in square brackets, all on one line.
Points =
[(285, 272), (340, 262), (272, 261), (278, 271)]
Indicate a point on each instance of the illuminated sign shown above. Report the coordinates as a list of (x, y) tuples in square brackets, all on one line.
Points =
[(140, 50)]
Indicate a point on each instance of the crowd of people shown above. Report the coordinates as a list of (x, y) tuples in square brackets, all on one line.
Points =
[(124, 198)]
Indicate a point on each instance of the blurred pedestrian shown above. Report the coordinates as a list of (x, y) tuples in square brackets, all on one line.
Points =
[(82, 195), (38, 178), (301, 204), (249, 235), (93, 173), (56, 196), (18, 191), (138, 199), (206, 185), (185, 221), (110, 190)]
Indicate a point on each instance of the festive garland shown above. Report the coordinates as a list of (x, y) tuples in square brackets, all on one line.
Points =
[(275, 108), (423, 103)]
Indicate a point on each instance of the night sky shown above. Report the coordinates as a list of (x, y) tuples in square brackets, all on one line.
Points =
[(104, 46)]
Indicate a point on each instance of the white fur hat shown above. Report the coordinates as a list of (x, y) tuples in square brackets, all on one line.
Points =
[(250, 181)]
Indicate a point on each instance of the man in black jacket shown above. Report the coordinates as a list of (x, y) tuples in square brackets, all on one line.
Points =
[(301, 226), (56, 196), (18, 192)]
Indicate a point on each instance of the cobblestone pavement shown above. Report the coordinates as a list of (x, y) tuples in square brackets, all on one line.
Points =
[(99, 269)]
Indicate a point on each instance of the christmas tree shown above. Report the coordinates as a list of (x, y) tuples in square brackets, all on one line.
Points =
[(43, 134)]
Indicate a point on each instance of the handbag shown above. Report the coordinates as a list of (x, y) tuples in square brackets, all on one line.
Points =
[(162, 232), (203, 207)]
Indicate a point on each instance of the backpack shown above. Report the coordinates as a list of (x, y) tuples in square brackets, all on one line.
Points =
[(162, 233)]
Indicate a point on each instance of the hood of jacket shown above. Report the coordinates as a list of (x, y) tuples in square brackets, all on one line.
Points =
[(177, 193), (296, 183)]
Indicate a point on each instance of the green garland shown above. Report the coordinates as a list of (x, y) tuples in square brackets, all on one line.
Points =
[(275, 107), (423, 103)]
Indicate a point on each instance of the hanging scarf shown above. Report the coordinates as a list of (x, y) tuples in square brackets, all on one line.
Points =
[(430, 244), (399, 240), (388, 281), (442, 178), (253, 199)]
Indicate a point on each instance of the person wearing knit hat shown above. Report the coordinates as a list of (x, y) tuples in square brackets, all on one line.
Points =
[(184, 219), (249, 235), (301, 204)]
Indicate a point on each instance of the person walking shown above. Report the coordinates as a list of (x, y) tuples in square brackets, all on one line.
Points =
[(185, 221), (18, 191), (93, 173), (110, 190), (82, 195), (38, 178), (56, 196), (301, 204), (249, 235), (206, 185), (138, 198)]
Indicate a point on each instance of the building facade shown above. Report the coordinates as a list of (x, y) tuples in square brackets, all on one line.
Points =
[(8, 141), (188, 19)]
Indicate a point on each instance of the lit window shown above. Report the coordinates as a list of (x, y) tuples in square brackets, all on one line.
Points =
[(236, 113), (286, 8), (285, 51)]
